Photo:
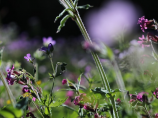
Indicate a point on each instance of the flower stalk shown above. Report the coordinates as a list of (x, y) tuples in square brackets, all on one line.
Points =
[(72, 8), (97, 62)]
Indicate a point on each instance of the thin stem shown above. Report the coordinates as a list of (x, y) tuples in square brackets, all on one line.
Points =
[(36, 76), (97, 61), (72, 2), (52, 64), (147, 111), (37, 109), (153, 49), (10, 95)]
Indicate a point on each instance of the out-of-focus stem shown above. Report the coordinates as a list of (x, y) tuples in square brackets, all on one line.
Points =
[(10, 95), (38, 109), (97, 62)]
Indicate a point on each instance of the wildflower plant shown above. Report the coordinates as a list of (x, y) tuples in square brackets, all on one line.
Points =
[(91, 101)]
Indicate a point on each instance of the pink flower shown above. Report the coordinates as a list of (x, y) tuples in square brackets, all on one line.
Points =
[(140, 96), (96, 115), (64, 81), (143, 41), (70, 93), (118, 101), (25, 89), (33, 99), (156, 115), (142, 21), (156, 93)]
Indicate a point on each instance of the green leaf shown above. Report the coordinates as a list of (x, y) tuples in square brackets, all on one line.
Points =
[(84, 6), (58, 103), (62, 68), (11, 112), (75, 3), (100, 90), (79, 80), (73, 115), (71, 85), (61, 14), (23, 103), (62, 22)]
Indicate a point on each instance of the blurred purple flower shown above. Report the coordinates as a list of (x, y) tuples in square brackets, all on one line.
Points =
[(64, 81), (48, 40), (112, 19)]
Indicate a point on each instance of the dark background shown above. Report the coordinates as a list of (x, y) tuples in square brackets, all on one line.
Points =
[(36, 17)]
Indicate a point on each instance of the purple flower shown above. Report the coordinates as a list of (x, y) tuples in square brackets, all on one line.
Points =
[(140, 96), (48, 49), (30, 115), (48, 40), (115, 17), (28, 57), (64, 81), (143, 42), (10, 76), (142, 21), (146, 24), (156, 93), (96, 115), (25, 89), (87, 107)]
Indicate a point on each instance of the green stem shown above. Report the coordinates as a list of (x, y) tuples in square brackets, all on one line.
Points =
[(97, 61), (37, 109), (36, 76), (52, 64), (147, 111), (10, 95)]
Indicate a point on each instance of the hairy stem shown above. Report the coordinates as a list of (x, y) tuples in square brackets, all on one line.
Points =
[(97, 61)]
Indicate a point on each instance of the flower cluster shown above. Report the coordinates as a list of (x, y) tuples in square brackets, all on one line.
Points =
[(155, 93), (151, 26), (140, 97)]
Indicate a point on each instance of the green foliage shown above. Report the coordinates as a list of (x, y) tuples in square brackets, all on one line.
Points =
[(11, 112), (62, 22)]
